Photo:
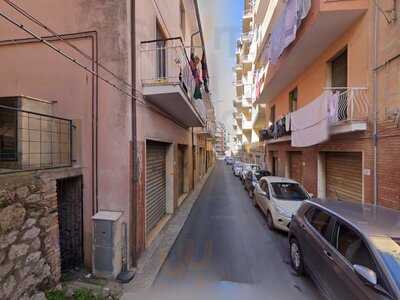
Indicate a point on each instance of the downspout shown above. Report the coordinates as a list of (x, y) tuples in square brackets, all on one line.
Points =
[(200, 31), (375, 102), (134, 160)]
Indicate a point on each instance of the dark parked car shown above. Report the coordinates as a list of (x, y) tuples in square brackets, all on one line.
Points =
[(251, 179), (351, 250), (229, 160)]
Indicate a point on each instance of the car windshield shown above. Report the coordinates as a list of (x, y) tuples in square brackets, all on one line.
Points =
[(261, 173), (288, 191), (389, 250)]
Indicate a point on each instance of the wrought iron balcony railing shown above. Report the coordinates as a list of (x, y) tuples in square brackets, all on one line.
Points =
[(348, 104), (166, 62), (33, 141)]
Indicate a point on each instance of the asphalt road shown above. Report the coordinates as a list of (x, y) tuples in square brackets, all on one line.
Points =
[(225, 251)]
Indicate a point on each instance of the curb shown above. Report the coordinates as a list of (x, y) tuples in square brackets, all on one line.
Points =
[(154, 257)]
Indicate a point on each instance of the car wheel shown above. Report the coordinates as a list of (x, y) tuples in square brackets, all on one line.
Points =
[(270, 221), (251, 194), (253, 199), (296, 257)]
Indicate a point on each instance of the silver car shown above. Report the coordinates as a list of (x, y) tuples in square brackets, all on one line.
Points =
[(237, 168), (279, 198), (351, 250)]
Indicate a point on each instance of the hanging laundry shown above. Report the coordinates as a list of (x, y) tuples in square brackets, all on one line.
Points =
[(204, 72), (194, 65), (291, 23), (333, 106), (285, 29), (287, 123), (310, 124)]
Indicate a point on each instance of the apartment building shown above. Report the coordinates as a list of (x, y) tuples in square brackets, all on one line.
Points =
[(249, 116), (331, 99), (221, 143), (105, 108)]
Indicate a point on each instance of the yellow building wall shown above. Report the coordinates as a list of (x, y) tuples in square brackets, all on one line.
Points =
[(311, 82)]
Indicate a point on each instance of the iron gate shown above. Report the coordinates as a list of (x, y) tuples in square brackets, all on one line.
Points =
[(70, 220)]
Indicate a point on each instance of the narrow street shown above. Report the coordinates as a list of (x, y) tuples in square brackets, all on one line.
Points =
[(225, 249)]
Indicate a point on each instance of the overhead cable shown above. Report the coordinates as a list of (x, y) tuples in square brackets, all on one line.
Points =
[(70, 58)]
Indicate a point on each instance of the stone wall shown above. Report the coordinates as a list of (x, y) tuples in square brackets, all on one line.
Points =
[(29, 235)]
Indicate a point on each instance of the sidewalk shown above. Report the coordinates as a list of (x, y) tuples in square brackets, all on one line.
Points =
[(153, 258)]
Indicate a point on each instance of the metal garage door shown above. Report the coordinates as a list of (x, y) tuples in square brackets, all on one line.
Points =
[(296, 166), (156, 196), (181, 170), (344, 176)]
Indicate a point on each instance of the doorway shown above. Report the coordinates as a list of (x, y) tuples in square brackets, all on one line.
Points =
[(70, 220)]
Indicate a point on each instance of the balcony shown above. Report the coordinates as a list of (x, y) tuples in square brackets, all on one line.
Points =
[(238, 82), (209, 130), (168, 82), (248, 13), (247, 18), (246, 103), (32, 141), (258, 117), (352, 110), (347, 111), (247, 125), (247, 36), (238, 67), (317, 32), (238, 116), (237, 103)]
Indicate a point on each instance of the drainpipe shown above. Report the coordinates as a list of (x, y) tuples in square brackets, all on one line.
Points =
[(191, 40), (134, 163), (375, 102)]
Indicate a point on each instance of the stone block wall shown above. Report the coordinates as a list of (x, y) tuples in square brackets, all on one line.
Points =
[(29, 235)]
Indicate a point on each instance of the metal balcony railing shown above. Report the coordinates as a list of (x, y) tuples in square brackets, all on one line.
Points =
[(165, 62), (247, 36), (238, 116), (33, 141), (248, 12), (347, 104)]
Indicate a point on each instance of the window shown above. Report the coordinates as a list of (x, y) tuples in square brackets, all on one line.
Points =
[(339, 70), (272, 115), (339, 80), (161, 53), (353, 248), (264, 187), (320, 221), (183, 19), (8, 131), (293, 100)]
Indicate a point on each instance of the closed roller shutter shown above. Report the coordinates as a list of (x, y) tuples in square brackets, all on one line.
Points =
[(181, 170), (156, 196), (296, 166), (344, 176)]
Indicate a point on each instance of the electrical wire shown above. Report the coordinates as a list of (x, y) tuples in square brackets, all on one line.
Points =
[(70, 58), (382, 11), (139, 99), (162, 18), (54, 33)]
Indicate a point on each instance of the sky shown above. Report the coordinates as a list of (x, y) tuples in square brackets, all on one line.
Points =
[(221, 21)]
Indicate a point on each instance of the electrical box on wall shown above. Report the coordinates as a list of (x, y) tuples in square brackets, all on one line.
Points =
[(107, 244)]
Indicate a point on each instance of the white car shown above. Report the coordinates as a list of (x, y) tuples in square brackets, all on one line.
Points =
[(237, 168), (279, 198), (246, 168)]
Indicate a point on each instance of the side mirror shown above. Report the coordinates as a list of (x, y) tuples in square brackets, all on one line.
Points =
[(366, 275)]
